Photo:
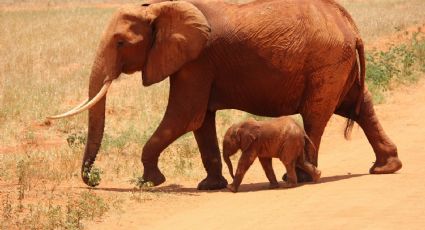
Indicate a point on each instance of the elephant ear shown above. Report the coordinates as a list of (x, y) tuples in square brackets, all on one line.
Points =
[(180, 32), (247, 135)]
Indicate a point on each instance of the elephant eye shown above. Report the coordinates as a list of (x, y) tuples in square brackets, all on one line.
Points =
[(120, 43)]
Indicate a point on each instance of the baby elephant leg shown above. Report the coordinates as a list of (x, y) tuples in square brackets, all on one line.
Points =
[(246, 160), (309, 168), (291, 174), (268, 169)]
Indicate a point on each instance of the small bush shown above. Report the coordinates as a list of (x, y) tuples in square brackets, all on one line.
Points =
[(93, 175), (76, 139), (141, 183)]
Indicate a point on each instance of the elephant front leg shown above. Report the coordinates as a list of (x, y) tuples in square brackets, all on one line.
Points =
[(246, 160), (169, 130), (206, 137), (187, 105)]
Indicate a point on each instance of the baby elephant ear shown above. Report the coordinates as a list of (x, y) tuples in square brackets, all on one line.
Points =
[(247, 136), (180, 33)]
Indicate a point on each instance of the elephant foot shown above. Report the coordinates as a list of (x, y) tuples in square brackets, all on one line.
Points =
[(316, 176), (212, 183), (302, 176), (232, 188), (390, 165), (273, 185), (288, 185), (154, 175)]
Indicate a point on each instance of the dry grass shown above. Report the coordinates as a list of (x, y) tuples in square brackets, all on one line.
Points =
[(377, 18), (46, 53)]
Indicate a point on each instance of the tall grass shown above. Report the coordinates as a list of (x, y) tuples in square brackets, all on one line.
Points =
[(40, 53), (376, 18)]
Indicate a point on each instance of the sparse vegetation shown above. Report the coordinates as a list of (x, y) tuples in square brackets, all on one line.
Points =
[(86, 205), (400, 64), (46, 55)]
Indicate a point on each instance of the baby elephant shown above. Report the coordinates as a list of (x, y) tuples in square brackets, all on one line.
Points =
[(280, 137)]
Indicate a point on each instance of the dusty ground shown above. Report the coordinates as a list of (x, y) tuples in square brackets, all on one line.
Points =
[(346, 197)]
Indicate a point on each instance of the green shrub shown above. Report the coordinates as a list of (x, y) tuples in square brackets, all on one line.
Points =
[(93, 175), (76, 139), (141, 183)]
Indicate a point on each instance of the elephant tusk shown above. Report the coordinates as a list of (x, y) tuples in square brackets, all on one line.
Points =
[(86, 104), (74, 109), (80, 105)]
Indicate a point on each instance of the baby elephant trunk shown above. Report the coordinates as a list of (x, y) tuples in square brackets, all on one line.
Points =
[(226, 158)]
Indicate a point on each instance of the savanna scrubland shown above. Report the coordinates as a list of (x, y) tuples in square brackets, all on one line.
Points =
[(46, 51)]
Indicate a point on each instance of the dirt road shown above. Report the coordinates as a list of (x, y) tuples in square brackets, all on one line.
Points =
[(346, 198)]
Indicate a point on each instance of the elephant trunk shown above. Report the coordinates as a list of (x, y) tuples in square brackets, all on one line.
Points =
[(226, 158), (96, 119)]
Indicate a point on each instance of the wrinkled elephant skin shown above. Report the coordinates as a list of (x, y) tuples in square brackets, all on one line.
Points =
[(269, 58)]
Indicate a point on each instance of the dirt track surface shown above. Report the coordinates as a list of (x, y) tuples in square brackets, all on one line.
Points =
[(347, 197)]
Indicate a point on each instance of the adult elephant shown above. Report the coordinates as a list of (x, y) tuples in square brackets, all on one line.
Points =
[(269, 58)]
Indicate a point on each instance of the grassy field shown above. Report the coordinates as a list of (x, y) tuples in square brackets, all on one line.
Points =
[(46, 52)]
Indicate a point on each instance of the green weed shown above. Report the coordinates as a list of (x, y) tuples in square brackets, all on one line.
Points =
[(94, 175), (76, 139), (143, 190), (141, 183)]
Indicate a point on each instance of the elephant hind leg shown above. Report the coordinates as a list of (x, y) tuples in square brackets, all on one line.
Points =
[(266, 163), (309, 168), (387, 160), (206, 137), (319, 103), (314, 125), (292, 178)]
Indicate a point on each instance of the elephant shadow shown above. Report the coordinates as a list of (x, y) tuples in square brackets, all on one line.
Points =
[(252, 187), (167, 189), (261, 186), (340, 177)]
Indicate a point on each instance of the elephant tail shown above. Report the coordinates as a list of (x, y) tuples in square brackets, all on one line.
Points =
[(360, 51), (306, 149), (360, 98)]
